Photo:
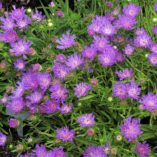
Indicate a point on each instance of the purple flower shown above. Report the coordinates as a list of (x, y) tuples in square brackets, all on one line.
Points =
[(3, 139), (30, 81), (13, 123), (155, 30), (59, 13), (153, 58), (17, 14), (120, 90), (37, 16), (131, 10), (58, 92), (133, 90), (126, 73), (60, 58), (149, 102), (126, 22), (140, 31), (19, 91), (40, 151), (65, 134), (108, 58), (89, 52), (67, 40), (44, 80), (94, 151), (35, 97), (100, 43), (23, 23), (86, 120), (1, 6), (49, 107), (142, 40), (129, 50), (16, 105), (107, 29), (10, 36), (155, 7), (130, 129), (82, 89), (60, 71), (74, 61), (21, 47), (153, 47), (7, 23), (59, 152), (19, 64), (96, 25), (52, 4), (64, 109), (120, 57), (143, 149)]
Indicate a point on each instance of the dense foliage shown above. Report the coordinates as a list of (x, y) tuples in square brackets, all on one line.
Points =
[(81, 82)]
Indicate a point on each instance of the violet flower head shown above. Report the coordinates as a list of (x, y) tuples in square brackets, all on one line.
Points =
[(65, 134), (13, 123), (30, 81), (149, 102), (19, 64), (108, 58), (64, 109), (74, 61), (143, 149), (58, 92), (37, 16), (94, 151), (19, 91), (107, 29), (153, 58), (154, 29), (126, 22), (133, 90), (3, 139), (17, 13), (61, 58), (59, 13), (10, 36), (131, 10), (7, 23), (52, 4), (16, 105), (129, 50), (82, 89), (67, 40), (142, 40), (49, 107), (140, 31), (86, 120), (120, 58), (40, 151), (100, 43), (23, 23), (60, 71), (155, 7), (130, 129), (153, 48), (124, 74), (44, 80), (59, 152), (89, 52), (35, 97), (21, 47), (120, 90)]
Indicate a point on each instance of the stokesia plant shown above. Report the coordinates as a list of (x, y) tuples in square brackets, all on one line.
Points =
[(79, 83)]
